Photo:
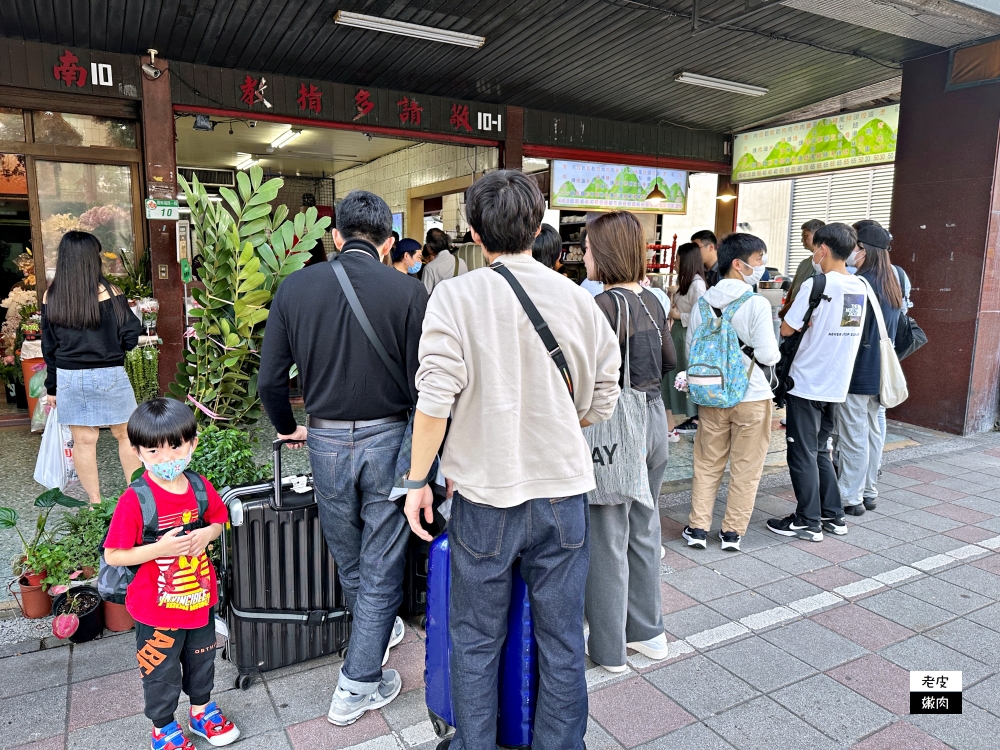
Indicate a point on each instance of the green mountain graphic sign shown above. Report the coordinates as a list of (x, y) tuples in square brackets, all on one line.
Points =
[(603, 187), (856, 139)]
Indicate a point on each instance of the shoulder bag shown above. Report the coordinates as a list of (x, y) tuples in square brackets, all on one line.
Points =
[(909, 335), (892, 382)]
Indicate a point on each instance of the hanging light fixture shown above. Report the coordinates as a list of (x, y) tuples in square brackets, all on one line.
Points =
[(727, 194), (285, 138), (656, 195)]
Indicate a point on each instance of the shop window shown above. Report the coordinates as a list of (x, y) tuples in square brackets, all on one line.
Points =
[(82, 130), (11, 124), (95, 198)]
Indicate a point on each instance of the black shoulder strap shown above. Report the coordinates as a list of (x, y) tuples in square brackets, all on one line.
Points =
[(815, 296), (541, 327), (366, 326), (200, 495), (147, 504)]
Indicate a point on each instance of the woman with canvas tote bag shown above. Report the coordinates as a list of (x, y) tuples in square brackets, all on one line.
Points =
[(629, 452)]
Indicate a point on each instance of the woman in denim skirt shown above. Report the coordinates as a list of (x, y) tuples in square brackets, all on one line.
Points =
[(86, 329)]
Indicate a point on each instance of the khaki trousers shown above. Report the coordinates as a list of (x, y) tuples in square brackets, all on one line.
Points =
[(740, 435)]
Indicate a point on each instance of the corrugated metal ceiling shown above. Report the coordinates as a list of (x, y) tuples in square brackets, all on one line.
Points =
[(603, 58)]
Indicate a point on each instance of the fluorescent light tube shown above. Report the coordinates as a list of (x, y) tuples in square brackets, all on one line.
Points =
[(245, 161), (721, 84), (285, 138), (389, 26)]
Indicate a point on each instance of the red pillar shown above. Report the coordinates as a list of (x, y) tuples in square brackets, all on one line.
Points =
[(161, 182), (512, 148), (945, 224)]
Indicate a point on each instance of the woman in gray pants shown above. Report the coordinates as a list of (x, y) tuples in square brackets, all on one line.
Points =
[(623, 583)]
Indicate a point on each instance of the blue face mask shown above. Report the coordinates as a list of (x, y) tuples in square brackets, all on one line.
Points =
[(415, 268), (168, 471)]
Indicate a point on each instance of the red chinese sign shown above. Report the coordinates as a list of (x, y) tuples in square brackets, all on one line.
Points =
[(363, 102), (310, 98), (252, 91), (409, 111), (460, 117), (68, 71)]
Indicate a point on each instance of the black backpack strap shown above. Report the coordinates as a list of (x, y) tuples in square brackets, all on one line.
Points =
[(366, 326), (815, 297), (541, 327), (147, 504), (200, 495)]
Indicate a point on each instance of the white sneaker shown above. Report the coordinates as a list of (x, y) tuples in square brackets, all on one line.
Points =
[(613, 670), (347, 707), (663, 551), (655, 648), (398, 630)]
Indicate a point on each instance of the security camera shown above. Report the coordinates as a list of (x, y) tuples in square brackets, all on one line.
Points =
[(252, 124), (151, 72)]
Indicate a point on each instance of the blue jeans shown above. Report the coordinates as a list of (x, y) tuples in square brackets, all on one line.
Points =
[(552, 538), (353, 471)]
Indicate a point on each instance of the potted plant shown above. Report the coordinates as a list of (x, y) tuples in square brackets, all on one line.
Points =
[(32, 327), (32, 564), (78, 614)]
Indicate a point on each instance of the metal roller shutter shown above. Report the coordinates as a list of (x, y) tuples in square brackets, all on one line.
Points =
[(847, 196)]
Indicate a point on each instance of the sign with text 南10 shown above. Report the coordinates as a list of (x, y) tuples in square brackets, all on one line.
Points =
[(855, 139), (607, 187)]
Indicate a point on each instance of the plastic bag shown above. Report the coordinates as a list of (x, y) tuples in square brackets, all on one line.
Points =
[(54, 466), (36, 386), (40, 415)]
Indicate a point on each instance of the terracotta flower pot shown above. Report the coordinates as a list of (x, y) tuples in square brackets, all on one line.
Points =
[(34, 602), (34, 579), (117, 618)]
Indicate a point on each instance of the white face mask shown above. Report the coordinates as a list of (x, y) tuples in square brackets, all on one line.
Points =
[(852, 259), (755, 275), (817, 267)]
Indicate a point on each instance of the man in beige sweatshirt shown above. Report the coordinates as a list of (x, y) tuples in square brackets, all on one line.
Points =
[(519, 462)]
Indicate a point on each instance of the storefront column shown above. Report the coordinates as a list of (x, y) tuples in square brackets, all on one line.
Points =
[(512, 148), (725, 211), (161, 182), (945, 225)]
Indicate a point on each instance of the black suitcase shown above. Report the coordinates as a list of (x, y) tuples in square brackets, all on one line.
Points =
[(281, 596)]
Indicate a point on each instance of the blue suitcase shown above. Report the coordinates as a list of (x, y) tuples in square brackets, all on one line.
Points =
[(518, 677)]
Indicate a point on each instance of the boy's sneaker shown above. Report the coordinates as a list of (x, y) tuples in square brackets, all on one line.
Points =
[(697, 538), (854, 510), (171, 737), (788, 526), (870, 503), (398, 630), (213, 726), (834, 525), (730, 540), (347, 707), (673, 436), (689, 427), (655, 648)]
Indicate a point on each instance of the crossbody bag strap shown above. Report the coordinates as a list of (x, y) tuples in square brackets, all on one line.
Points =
[(626, 364), (541, 327), (366, 326), (876, 308)]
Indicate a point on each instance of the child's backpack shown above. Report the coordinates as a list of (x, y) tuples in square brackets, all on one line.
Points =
[(113, 580), (715, 371)]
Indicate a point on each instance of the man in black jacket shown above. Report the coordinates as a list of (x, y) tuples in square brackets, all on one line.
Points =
[(357, 406)]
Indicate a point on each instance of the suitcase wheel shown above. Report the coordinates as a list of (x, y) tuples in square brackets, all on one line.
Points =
[(423, 622), (244, 681), (441, 727)]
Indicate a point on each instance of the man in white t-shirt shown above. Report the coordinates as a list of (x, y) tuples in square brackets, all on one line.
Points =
[(821, 373)]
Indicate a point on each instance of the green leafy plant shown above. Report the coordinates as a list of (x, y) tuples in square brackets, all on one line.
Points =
[(225, 457), (82, 533), (36, 551), (142, 365), (137, 281), (246, 253)]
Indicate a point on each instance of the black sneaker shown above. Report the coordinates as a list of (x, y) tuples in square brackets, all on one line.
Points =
[(697, 538), (444, 744), (730, 540), (789, 527), (835, 525), (689, 427), (870, 503), (854, 510)]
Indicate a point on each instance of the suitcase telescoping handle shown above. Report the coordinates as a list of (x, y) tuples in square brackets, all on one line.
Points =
[(276, 445)]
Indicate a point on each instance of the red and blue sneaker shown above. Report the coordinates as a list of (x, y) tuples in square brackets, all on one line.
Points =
[(213, 726), (171, 737)]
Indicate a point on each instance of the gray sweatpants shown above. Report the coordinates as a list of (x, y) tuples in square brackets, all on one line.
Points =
[(623, 583), (860, 438)]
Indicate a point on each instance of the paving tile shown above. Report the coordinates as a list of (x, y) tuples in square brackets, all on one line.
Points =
[(938, 493), (670, 529), (889, 479), (788, 590), (971, 638), (916, 472), (748, 571), (964, 483), (790, 558), (878, 680), (871, 565), (408, 660), (693, 620), (320, 734), (814, 644), (832, 550), (676, 561), (941, 593), (886, 507), (977, 477), (867, 629), (834, 709), (46, 669), (990, 564), (932, 521), (304, 695), (760, 663), (906, 610), (695, 735), (697, 556), (973, 578), (907, 554), (634, 712), (830, 578), (104, 656), (901, 736), (597, 739), (763, 724), (130, 733), (738, 606), (703, 584), (755, 540), (252, 710), (939, 543), (922, 653), (897, 529), (58, 742), (906, 497), (33, 716), (988, 616), (672, 600), (984, 502), (958, 513), (974, 729), (701, 686), (867, 539), (407, 710), (985, 694), (274, 740), (105, 698)]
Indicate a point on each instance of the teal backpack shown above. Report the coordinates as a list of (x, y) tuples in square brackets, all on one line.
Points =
[(715, 373)]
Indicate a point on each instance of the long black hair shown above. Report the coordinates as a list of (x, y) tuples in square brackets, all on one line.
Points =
[(72, 299), (689, 266), (877, 261)]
